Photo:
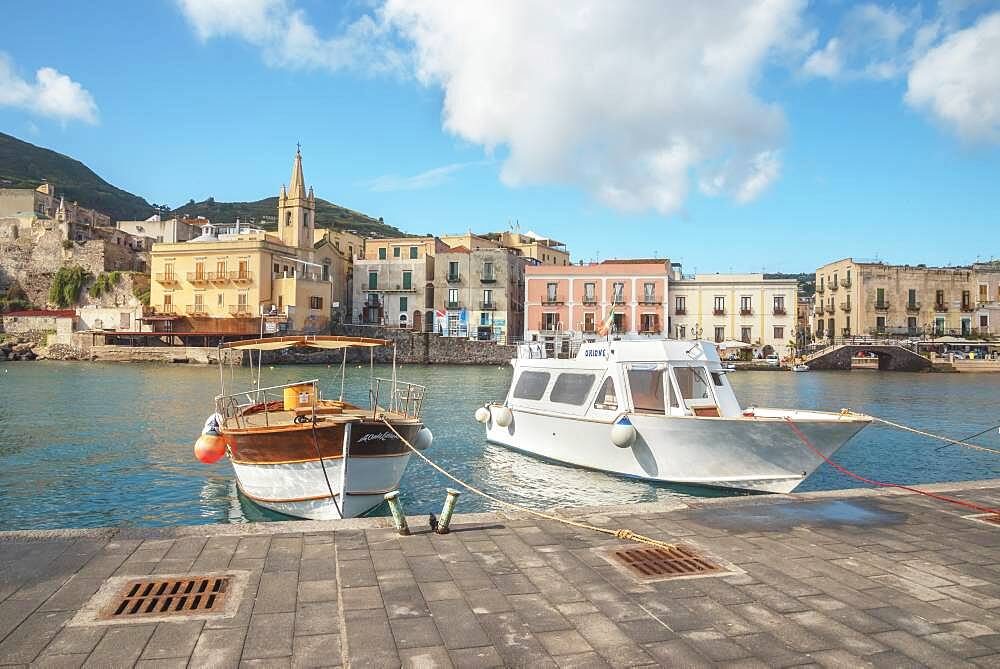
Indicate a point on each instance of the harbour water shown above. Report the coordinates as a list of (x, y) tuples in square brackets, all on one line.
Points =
[(90, 445)]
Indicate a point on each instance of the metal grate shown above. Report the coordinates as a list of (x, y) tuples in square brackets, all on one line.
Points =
[(168, 597), (660, 563)]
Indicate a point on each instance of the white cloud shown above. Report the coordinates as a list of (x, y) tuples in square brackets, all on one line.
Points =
[(825, 62), (51, 94), (428, 179), (871, 44), (627, 100), (958, 81)]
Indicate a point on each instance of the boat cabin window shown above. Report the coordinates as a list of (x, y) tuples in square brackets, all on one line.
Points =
[(606, 397), (717, 379), (572, 388), (531, 385), (692, 383), (646, 386)]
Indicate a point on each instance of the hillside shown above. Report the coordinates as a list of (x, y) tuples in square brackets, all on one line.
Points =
[(807, 281), (264, 213), (24, 165)]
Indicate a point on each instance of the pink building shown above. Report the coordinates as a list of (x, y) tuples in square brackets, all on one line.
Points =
[(577, 298)]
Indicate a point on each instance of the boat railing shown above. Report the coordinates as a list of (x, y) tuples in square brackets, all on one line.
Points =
[(234, 406), (399, 397)]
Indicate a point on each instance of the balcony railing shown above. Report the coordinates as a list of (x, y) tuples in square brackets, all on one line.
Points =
[(881, 306), (846, 283), (718, 312), (166, 309), (650, 300), (167, 277), (197, 277), (650, 330), (452, 305), (682, 311), (454, 278), (590, 301), (834, 285), (746, 312), (845, 306), (549, 300), (217, 277), (240, 310), (488, 278), (819, 310), (618, 300), (781, 311), (487, 306), (241, 276), (940, 306), (913, 306), (196, 310), (373, 304), (820, 288), (966, 306)]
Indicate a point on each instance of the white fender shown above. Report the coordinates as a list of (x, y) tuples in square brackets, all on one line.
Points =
[(503, 416), (623, 433), (483, 415), (424, 439)]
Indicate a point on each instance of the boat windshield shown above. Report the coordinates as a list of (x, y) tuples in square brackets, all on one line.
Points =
[(646, 386), (693, 383)]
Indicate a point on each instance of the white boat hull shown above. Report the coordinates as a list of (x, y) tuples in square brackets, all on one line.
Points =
[(758, 454), (300, 489)]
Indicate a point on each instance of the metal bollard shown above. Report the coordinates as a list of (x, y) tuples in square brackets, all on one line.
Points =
[(447, 510), (398, 518)]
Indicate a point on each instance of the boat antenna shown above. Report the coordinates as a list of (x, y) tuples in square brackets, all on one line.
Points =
[(343, 369), (391, 399)]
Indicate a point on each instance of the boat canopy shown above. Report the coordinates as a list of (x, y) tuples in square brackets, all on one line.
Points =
[(305, 341)]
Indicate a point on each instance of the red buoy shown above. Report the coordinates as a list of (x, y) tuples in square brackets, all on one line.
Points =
[(209, 448)]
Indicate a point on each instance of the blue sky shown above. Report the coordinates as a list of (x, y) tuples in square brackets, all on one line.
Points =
[(728, 140)]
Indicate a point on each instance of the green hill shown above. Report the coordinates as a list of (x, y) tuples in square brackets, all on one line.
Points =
[(806, 280), (24, 165)]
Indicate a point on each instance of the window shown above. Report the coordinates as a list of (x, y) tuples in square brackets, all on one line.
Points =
[(939, 326), (550, 292), (407, 279), (373, 300), (571, 388), (646, 386), (588, 322), (649, 323), (939, 299), (381, 253), (984, 322), (316, 303), (779, 304), (168, 299), (396, 251), (218, 300), (288, 218), (550, 321), (531, 385), (220, 269), (720, 306), (879, 298), (619, 322), (453, 296), (984, 293), (880, 323), (911, 298), (717, 379), (681, 331), (834, 282), (649, 292), (404, 304), (372, 280), (326, 271), (618, 292), (966, 299), (241, 301), (745, 304), (413, 252), (590, 292), (911, 325), (692, 383), (606, 397), (277, 269), (745, 335), (199, 270), (484, 318), (453, 270), (819, 327), (199, 301), (779, 332), (680, 305), (488, 296), (488, 271), (847, 326), (720, 333), (966, 326)]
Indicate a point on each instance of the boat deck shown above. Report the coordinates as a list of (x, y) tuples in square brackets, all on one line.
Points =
[(855, 578), (329, 413)]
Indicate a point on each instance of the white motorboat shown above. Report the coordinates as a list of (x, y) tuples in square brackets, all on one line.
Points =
[(800, 367), (661, 410), (297, 453)]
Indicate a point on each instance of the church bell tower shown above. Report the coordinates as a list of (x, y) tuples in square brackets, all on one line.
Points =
[(296, 209)]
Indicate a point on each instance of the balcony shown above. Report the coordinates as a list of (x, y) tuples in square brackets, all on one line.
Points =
[(819, 310), (198, 310), (240, 311), (940, 306), (650, 301), (966, 306), (589, 301), (454, 278), (166, 309), (372, 304), (166, 278), (618, 300), (820, 289), (217, 277), (487, 306), (845, 306), (241, 276), (846, 283), (834, 285), (781, 311), (913, 307), (650, 331), (452, 305), (550, 300), (881, 306), (746, 312), (488, 278), (682, 311), (197, 278), (718, 312)]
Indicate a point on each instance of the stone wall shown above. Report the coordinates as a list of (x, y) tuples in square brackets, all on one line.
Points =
[(35, 328), (179, 354), (411, 348)]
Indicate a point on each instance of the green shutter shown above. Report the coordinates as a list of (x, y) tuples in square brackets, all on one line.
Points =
[(381, 253), (402, 305), (407, 280), (372, 281)]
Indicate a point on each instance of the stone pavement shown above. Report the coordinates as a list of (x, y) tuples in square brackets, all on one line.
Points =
[(851, 578)]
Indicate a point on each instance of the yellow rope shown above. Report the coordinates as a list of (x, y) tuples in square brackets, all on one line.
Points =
[(957, 442), (623, 534)]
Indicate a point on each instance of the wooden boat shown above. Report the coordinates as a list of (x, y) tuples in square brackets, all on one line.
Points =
[(294, 452)]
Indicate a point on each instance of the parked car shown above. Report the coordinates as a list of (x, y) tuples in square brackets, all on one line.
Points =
[(773, 359)]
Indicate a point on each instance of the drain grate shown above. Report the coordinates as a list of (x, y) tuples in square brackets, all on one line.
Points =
[(169, 597), (661, 563)]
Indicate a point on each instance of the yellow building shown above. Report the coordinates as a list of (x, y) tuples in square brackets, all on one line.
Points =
[(224, 279), (532, 245)]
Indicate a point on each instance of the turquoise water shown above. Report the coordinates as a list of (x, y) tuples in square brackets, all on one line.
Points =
[(89, 444)]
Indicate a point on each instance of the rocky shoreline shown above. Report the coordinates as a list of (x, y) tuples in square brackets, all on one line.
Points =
[(23, 349)]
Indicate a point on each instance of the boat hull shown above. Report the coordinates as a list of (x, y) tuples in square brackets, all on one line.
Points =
[(281, 469), (755, 454)]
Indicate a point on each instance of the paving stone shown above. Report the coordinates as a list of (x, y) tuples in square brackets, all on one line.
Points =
[(277, 592), (369, 639), (538, 613), (591, 660), (771, 650), (838, 659), (514, 640), (838, 633), (415, 632), (59, 661), (920, 650), (317, 591), (365, 597), (425, 658), (269, 636), (439, 590), (457, 624), (485, 657), (677, 653), (163, 663), (218, 648), (599, 630), (75, 640), (25, 643), (317, 618), (120, 646), (319, 650), (173, 639)]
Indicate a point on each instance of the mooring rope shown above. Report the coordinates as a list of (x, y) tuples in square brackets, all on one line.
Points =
[(623, 533), (906, 428), (884, 484)]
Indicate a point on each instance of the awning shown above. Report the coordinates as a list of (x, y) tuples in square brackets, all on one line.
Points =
[(732, 343), (305, 341)]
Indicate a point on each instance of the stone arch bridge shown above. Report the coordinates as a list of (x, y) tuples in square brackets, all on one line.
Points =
[(892, 357)]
